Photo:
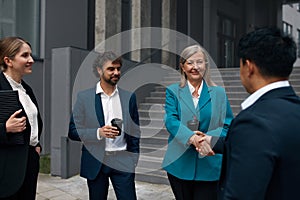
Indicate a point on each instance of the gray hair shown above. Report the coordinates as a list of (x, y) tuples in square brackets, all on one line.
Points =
[(102, 58), (188, 52)]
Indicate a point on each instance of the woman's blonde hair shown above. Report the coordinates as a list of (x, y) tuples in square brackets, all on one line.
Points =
[(9, 47), (188, 52)]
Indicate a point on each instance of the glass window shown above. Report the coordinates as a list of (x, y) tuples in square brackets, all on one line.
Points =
[(226, 41), (21, 18), (287, 28)]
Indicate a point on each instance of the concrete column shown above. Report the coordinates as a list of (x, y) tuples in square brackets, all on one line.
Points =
[(113, 17), (100, 14), (136, 35), (165, 22), (145, 22), (206, 24), (168, 21)]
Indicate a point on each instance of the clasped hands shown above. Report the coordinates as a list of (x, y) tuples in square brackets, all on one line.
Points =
[(202, 142)]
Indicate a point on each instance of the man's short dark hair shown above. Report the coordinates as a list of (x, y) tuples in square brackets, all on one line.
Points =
[(273, 52), (102, 58)]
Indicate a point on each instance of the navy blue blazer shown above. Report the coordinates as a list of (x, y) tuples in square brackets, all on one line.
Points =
[(88, 116), (260, 159), (13, 158)]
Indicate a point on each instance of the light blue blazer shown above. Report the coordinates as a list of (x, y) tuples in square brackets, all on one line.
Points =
[(215, 115)]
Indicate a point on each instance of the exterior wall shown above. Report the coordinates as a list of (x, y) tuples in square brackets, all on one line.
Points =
[(68, 23), (58, 29), (198, 19), (292, 16)]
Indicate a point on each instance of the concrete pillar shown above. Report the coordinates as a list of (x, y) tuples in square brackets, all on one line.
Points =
[(112, 17), (165, 22), (136, 23), (168, 21), (100, 13), (145, 22)]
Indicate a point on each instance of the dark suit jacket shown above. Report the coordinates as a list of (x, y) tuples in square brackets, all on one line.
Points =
[(14, 157), (261, 160), (88, 116)]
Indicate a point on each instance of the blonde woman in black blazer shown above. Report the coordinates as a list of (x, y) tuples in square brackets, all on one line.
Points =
[(19, 135)]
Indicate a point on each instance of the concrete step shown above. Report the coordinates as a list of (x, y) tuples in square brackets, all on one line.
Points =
[(151, 122), (235, 101), (154, 140), (154, 131), (151, 106), (158, 94), (159, 100), (152, 113), (149, 170)]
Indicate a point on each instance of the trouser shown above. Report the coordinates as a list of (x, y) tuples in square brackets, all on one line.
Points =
[(28, 188), (193, 190)]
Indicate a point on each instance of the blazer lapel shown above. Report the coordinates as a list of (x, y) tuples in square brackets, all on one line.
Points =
[(124, 99), (4, 84), (204, 97), (185, 97), (99, 110)]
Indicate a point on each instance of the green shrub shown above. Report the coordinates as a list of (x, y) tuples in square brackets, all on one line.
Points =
[(45, 164)]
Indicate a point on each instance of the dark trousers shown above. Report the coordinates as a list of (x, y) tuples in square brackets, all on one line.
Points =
[(123, 184), (28, 189), (193, 190)]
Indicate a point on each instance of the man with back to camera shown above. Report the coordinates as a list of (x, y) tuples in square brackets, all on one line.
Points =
[(107, 153), (260, 159)]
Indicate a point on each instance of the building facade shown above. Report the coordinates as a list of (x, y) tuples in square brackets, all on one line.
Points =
[(291, 24), (74, 27)]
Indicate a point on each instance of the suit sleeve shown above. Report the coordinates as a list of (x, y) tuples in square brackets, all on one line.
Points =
[(2, 132), (224, 120), (250, 158), (78, 129), (135, 132), (218, 141)]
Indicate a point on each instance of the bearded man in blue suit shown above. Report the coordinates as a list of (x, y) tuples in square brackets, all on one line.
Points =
[(107, 153)]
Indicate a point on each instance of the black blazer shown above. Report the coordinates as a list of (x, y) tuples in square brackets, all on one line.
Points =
[(13, 158), (261, 160)]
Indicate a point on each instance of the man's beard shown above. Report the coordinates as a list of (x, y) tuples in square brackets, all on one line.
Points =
[(110, 81)]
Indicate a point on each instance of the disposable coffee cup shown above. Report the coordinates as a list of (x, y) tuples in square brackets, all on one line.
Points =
[(116, 122)]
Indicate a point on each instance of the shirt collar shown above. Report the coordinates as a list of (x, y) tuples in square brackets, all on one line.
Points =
[(99, 89), (13, 83), (256, 95), (192, 89)]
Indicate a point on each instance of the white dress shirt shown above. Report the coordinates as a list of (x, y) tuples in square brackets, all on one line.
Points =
[(112, 108), (29, 107), (256, 95), (192, 89)]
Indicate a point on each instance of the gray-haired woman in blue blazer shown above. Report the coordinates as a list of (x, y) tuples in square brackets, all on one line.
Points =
[(197, 98)]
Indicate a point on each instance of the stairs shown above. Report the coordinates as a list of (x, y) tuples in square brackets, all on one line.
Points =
[(154, 135)]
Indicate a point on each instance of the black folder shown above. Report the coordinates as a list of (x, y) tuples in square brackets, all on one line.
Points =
[(9, 103)]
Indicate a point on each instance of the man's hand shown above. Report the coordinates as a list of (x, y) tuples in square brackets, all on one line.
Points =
[(108, 131), (201, 142)]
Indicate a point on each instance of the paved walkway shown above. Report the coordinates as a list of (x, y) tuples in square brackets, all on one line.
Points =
[(75, 188)]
